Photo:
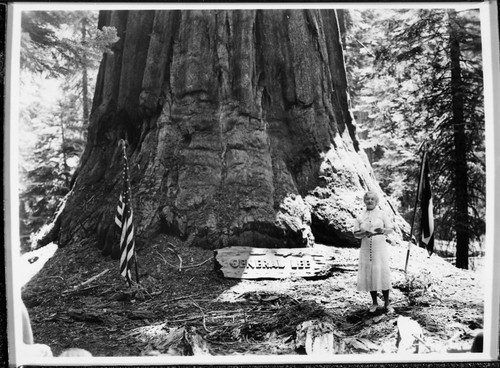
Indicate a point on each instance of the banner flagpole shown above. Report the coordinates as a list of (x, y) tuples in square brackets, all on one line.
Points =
[(415, 207), (427, 220)]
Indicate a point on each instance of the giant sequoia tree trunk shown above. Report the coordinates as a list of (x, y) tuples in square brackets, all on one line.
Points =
[(239, 129)]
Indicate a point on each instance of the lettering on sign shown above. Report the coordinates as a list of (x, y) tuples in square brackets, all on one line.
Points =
[(255, 263)]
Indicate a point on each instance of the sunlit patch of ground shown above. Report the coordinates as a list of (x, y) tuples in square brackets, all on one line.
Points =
[(33, 262)]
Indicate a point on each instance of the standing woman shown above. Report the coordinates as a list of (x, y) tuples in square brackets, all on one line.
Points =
[(373, 271)]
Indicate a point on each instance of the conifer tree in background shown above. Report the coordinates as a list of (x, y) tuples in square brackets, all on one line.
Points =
[(427, 85), (413, 75), (61, 49)]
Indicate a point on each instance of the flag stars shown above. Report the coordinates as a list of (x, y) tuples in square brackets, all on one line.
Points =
[(124, 220)]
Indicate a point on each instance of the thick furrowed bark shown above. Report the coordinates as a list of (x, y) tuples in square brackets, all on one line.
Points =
[(239, 130)]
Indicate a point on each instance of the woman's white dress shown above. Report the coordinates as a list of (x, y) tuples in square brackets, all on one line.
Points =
[(373, 270)]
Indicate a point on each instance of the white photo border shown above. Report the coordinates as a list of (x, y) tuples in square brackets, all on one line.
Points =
[(490, 42)]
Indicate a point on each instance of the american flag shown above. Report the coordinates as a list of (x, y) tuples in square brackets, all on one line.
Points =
[(424, 192), (427, 221), (125, 220)]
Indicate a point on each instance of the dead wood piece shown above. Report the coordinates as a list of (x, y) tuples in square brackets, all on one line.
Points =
[(233, 317), (409, 335), (173, 338), (180, 298), (85, 316), (167, 263), (186, 319), (198, 264), (93, 278), (140, 314), (198, 344), (256, 296), (318, 337), (370, 345), (203, 315), (358, 345), (81, 290), (420, 340), (173, 250), (184, 341)]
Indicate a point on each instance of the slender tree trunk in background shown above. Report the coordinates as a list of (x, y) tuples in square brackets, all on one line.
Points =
[(65, 168), (460, 175), (85, 79), (239, 129)]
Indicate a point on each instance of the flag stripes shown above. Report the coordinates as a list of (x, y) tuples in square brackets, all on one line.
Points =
[(119, 212), (124, 219)]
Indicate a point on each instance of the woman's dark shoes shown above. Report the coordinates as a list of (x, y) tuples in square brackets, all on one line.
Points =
[(388, 309)]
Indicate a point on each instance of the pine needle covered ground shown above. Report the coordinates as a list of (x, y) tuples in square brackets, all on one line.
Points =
[(78, 299)]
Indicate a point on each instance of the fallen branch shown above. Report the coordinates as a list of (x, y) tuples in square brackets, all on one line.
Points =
[(196, 342), (199, 264), (203, 315), (182, 297), (194, 318), (79, 290), (171, 248), (180, 267), (93, 278), (422, 341), (178, 256), (167, 263), (398, 301)]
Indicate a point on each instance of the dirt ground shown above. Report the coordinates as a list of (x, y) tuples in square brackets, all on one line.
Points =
[(78, 299)]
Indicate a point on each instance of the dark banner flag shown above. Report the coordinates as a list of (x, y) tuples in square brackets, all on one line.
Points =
[(125, 220), (427, 217)]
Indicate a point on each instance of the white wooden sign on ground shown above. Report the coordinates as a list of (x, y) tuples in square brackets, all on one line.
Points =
[(258, 263)]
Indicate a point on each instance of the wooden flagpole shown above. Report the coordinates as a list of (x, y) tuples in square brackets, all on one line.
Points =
[(416, 203), (136, 267)]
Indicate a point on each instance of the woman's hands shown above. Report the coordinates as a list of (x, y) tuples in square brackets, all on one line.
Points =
[(360, 234), (365, 233)]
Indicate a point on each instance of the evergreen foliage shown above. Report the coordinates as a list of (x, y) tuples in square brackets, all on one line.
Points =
[(60, 52), (400, 68), (60, 42), (399, 65)]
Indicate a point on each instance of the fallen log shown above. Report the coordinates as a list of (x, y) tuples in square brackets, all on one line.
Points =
[(279, 263)]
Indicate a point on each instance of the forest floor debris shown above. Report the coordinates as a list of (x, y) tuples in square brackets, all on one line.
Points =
[(188, 308)]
